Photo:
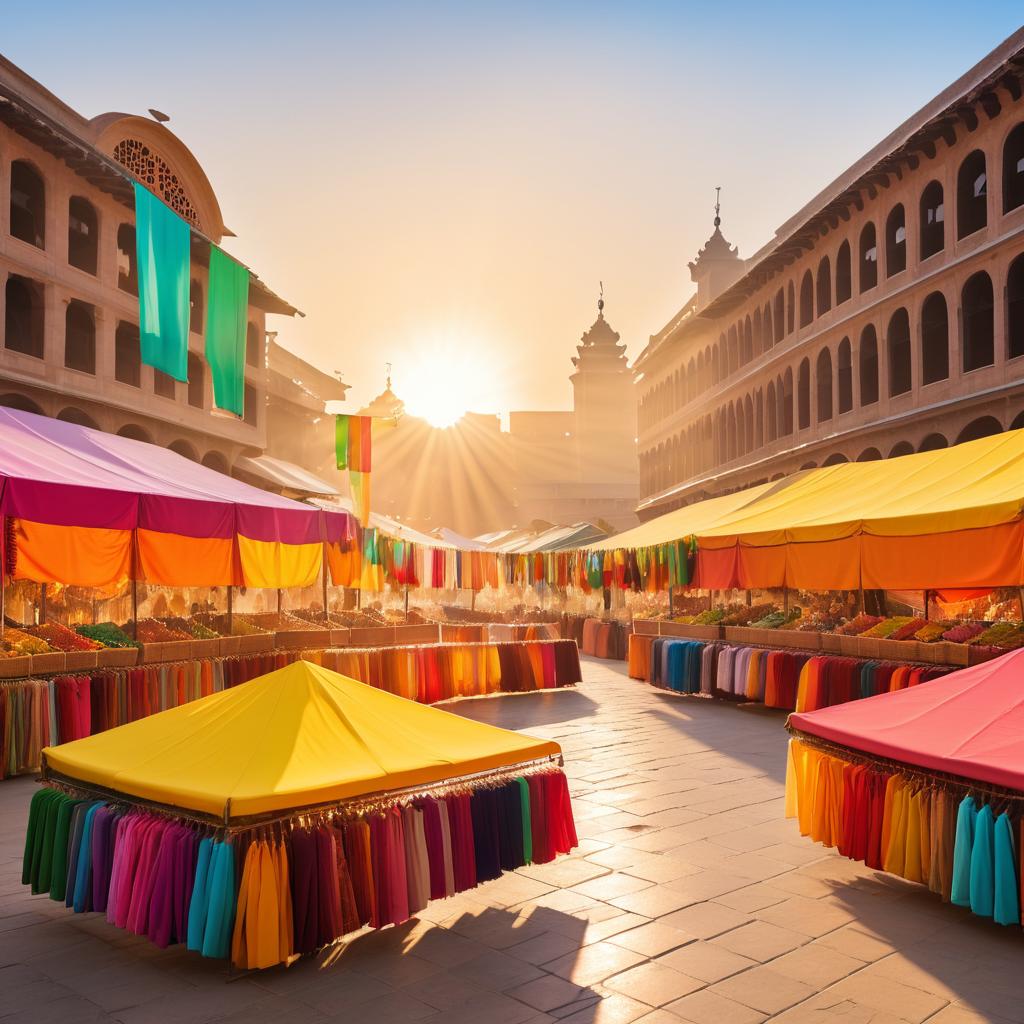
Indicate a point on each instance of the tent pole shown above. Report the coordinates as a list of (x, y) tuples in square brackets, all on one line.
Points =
[(323, 574), (135, 608), (1020, 597), (231, 617), (42, 603), (407, 602), (926, 606)]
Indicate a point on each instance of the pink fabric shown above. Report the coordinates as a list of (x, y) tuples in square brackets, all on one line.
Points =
[(968, 723), (66, 475)]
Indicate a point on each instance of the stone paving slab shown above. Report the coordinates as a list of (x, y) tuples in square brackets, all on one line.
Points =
[(690, 899)]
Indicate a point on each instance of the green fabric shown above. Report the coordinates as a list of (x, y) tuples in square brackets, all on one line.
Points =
[(226, 322), (46, 856), (36, 813), (61, 837), (162, 251), (524, 800), (341, 424)]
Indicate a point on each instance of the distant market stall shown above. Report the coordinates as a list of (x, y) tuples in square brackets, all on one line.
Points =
[(360, 808)]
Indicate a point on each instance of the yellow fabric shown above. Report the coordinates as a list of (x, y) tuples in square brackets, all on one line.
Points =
[(269, 564), (293, 738), (685, 522), (968, 486)]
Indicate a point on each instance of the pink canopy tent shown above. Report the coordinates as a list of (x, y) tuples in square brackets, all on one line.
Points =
[(969, 724), (94, 508)]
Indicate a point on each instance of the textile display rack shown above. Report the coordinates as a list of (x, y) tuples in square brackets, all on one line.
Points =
[(260, 860), (787, 679), (35, 713), (599, 638), (927, 784)]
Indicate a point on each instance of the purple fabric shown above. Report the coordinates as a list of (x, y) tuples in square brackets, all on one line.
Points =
[(66, 475)]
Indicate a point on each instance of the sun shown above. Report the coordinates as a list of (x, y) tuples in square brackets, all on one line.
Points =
[(441, 383)]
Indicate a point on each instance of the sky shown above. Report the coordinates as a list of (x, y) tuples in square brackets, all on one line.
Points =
[(442, 186)]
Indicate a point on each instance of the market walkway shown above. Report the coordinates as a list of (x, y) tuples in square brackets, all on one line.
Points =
[(691, 899)]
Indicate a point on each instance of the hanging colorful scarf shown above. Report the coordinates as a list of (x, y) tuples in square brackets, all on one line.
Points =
[(352, 446)]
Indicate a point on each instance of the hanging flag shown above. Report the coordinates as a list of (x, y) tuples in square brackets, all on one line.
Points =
[(162, 255), (226, 323), (352, 446)]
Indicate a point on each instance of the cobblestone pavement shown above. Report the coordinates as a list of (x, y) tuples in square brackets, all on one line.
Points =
[(690, 899)]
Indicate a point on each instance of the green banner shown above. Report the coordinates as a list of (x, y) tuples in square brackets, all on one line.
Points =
[(226, 323)]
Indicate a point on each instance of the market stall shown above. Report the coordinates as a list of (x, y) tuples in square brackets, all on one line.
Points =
[(360, 808), (927, 784)]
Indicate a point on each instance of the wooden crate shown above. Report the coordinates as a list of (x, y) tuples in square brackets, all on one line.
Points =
[(80, 661), (117, 657), (372, 636), (213, 648), (257, 643), (48, 664), (425, 633), (302, 639), (797, 639), (646, 627), (340, 636), (955, 654), (690, 631), (229, 646), (16, 668)]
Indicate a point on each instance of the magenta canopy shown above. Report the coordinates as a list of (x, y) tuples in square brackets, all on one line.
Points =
[(969, 723), (64, 474)]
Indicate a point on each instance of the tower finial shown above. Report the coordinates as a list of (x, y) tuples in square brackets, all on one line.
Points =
[(600, 300), (718, 205), (387, 375)]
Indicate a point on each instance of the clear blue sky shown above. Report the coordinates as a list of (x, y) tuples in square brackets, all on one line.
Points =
[(453, 179)]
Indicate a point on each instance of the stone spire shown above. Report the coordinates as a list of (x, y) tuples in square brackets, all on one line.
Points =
[(599, 347), (717, 265), (387, 403)]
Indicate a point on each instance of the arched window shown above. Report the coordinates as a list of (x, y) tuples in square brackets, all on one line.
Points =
[(759, 419), (824, 285), (868, 366), (135, 432), (901, 448), (790, 309), (971, 195), (28, 204), (933, 220), (786, 394), (779, 317), (984, 426), (164, 385), (83, 234), (824, 375), (934, 339), (803, 395), (127, 264), (869, 455), (748, 423), (80, 337), (766, 321), (748, 342), (895, 241), (195, 307), (977, 311), (252, 410), (772, 413), (758, 341), (23, 319), (932, 443), (127, 355), (741, 430), (844, 376), (734, 350), (715, 363), (806, 299), (215, 460), (1015, 308), (844, 286), (868, 258), (252, 346), (196, 381), (184, 449), (1013, 169), (897, 343), (836, 459)]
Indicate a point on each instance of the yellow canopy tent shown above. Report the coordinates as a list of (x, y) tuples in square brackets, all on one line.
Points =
[(688, 521), (944, 519), (298, 737)]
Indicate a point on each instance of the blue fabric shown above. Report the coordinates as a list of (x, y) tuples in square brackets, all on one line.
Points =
[(983, 866), (162, 249), (83, 875), (961, 889), (197, 905), (1006, 903), (222, 897)]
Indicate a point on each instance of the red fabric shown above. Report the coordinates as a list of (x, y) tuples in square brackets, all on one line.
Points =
[(968, 723)]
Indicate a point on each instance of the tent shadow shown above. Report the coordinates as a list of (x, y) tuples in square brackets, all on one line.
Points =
[(522, 711), (940, 948), (466, 964)]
